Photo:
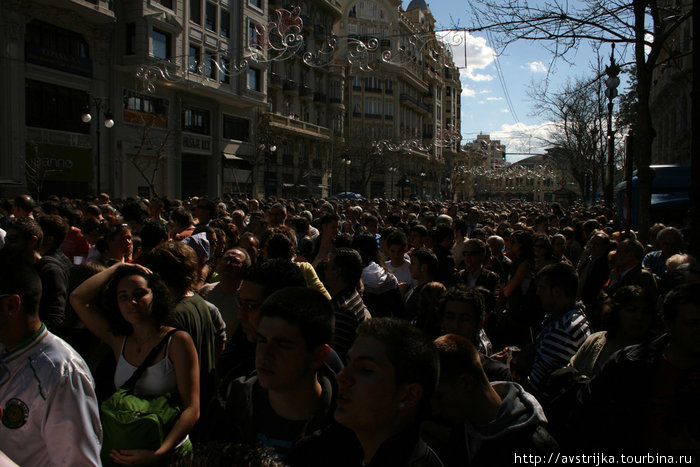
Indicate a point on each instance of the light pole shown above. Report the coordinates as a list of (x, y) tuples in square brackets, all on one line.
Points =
[(101, 106), (346, 163), (392, 171), (611, 85)]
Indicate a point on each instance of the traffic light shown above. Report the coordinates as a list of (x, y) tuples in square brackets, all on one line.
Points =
[(503, 156)]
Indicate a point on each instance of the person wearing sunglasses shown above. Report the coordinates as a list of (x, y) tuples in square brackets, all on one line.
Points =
[(48, 406)]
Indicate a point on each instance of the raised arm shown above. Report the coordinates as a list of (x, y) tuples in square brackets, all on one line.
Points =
[(520, 274), (82, 299)]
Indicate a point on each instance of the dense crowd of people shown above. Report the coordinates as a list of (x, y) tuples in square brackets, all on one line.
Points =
[(344, 333)]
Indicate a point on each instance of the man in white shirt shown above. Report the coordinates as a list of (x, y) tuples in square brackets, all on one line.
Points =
[(48, 408)]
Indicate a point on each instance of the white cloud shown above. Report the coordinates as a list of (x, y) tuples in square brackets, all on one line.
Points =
[(521, 139), (505, 111), (536, 67), (478, 54), (494, 98), (467, 91)]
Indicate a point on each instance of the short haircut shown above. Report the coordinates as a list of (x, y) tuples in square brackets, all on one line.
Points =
[(153, 232), (25, 203), (18, 276), (686, 294), (500, 243), (419, 229), (28, 228), (182, 216), (397, 237), (366, 244), (274, 274), (465, 294), (459, 356), (305, 308), (442, 232), (410, 352), (161, 306), (428, 258), (623, 297), (350, 263), (54, 226), (329, 217), (632, 246), (561, 275), (176, 263), (476, 244)]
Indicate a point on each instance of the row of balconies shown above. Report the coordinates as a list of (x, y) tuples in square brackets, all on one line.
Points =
[(413, 102)]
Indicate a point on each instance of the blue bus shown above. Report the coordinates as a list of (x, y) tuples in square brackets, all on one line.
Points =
[(670, 196)]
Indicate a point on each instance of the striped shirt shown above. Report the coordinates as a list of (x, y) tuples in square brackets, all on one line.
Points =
[(558, 341), (350, 312)]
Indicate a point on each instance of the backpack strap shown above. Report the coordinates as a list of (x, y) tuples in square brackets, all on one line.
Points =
[(131, 382)]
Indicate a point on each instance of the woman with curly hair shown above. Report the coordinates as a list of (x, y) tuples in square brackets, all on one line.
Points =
[(132, 320)]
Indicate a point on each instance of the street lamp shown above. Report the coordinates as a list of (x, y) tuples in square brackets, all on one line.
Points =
[(611, 85), (346, 163), (102, 109), (392, 171)]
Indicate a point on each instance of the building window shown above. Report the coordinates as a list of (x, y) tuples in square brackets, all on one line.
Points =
[(389, 109), (225, 26), (253, 35), (161, 44), (195, 120), (55, 107), (256, 3), (236, 128), (224, 76), (254, 83), (196, 11), (145, 109), (210, 18), (356, 83), (209, 65), (130, 33), (166, 3), (193, 62), (388, 87), (48, 36)]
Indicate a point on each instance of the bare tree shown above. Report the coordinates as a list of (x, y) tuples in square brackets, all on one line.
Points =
[(151, 149), (643, 25), (35, 171)]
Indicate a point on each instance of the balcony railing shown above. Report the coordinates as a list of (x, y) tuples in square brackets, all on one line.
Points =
[(290, 85), (320, 97)]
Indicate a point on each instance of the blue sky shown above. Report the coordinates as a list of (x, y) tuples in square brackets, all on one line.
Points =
[(484, 96)]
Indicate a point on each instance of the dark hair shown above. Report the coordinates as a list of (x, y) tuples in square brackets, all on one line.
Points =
[(459, 356), (182, 216), (279, 242), (54, 226), (410, 352), (366, 245), (176, 263), (161, 307), (28, 228), (623, 297), (305, 308), (561, 275), (420, 229), (349, 262), (397, 237), (109, 233), (527, 253), (25, 203), (477, 244), (428, 258), (686, 294), (18, 276), (465, 294), (632, 246), (442, 232), (329, 217), (274, 274), (153, 232)]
